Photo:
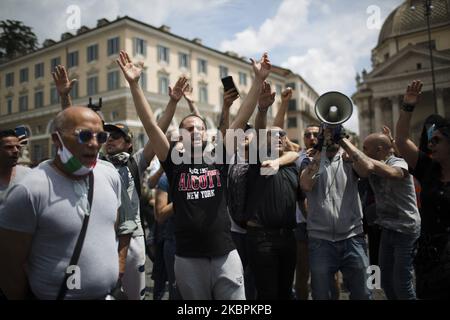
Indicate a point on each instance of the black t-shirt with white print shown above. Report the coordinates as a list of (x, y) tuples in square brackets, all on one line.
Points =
[(202, 224)]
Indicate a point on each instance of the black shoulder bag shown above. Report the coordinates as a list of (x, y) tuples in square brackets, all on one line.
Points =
[(80, 241)]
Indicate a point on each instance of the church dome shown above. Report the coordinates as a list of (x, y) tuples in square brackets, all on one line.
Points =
[(404, 20)]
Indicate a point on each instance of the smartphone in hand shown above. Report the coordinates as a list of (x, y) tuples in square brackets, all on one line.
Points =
[(21, 131), (228, 84)]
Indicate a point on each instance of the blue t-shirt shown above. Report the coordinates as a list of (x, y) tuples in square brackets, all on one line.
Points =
[(166, 229)]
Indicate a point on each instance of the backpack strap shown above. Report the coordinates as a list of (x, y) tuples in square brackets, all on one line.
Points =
[(80, 241)]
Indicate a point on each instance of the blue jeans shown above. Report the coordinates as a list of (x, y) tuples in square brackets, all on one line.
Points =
[(327, 257), (396, 256)]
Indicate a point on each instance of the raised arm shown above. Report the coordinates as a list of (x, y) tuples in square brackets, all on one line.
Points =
[(406, 147), (387, 132), (164, 121), (362, 164), (261, 70), (63, 85), (132, 74), (190, 100), (266, 99), (228, 98), (286, 95)]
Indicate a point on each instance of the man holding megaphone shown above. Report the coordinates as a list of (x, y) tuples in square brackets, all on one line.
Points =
[(335, 228)]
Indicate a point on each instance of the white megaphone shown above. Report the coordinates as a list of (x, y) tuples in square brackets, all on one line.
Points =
[(333, 108)]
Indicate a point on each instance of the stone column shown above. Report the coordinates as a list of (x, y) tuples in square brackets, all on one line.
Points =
[(395, 113), (377, 123)]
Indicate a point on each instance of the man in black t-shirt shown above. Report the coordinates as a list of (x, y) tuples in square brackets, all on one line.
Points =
[(207, 264)]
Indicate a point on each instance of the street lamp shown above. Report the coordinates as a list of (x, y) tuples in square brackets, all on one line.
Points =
[(428, 8)]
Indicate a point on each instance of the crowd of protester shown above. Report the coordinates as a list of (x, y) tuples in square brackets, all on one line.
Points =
[(251, 216)]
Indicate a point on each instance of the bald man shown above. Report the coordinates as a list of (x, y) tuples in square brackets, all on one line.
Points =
[(397, 214), (43, 214)]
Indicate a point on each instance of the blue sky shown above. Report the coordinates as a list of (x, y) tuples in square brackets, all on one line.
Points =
[(325, 41)]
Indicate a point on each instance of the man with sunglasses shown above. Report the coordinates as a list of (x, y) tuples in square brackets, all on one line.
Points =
[(43, 214), (272, 186), (10, 171)]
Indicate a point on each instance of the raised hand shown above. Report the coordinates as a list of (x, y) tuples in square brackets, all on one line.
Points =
[(131, 71), (286, 95), (229, 97), (267, 97), (262, 67), (62, 83), (188, 94), (270, 167), (413, 92), (177, 92), (387, 132)]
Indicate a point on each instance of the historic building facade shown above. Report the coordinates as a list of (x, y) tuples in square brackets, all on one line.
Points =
[(401, 56), (28, 95)]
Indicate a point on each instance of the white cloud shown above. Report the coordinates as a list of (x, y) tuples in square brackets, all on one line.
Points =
[(320, 44), (290, 17), (53, 16)]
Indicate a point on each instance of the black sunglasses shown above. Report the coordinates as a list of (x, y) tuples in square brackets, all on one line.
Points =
[(84, 136), (275, 133)]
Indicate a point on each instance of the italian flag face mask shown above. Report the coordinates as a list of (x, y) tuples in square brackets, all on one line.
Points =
[(71, 163)]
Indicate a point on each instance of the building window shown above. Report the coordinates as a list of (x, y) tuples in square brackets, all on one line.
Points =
[(223, 72), (163, 54), (113, 80), (202, 66), (92, 53), (9, 79), (23, 103), (292, 122), (203, 93), (419, 66), (278, 89), (54, 96), (74, 91), (54, 62), (291, 85), (163, 84), (23, 75), (92, 85), (39, 70), (183, 59), (113, 46), (140, 47), (114, 115), (292, 106), (38, 99), (143, 80), (38, 155), (242, 78), (72, 59), (9, 105)]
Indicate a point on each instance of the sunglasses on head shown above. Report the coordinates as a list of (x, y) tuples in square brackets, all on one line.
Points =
[(116, 135), (84, 136), (308, 134)]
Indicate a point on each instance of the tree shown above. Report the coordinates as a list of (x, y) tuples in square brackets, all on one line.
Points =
[(16, 39)]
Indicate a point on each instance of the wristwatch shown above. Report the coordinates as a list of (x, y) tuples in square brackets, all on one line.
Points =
[(408, 107)]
